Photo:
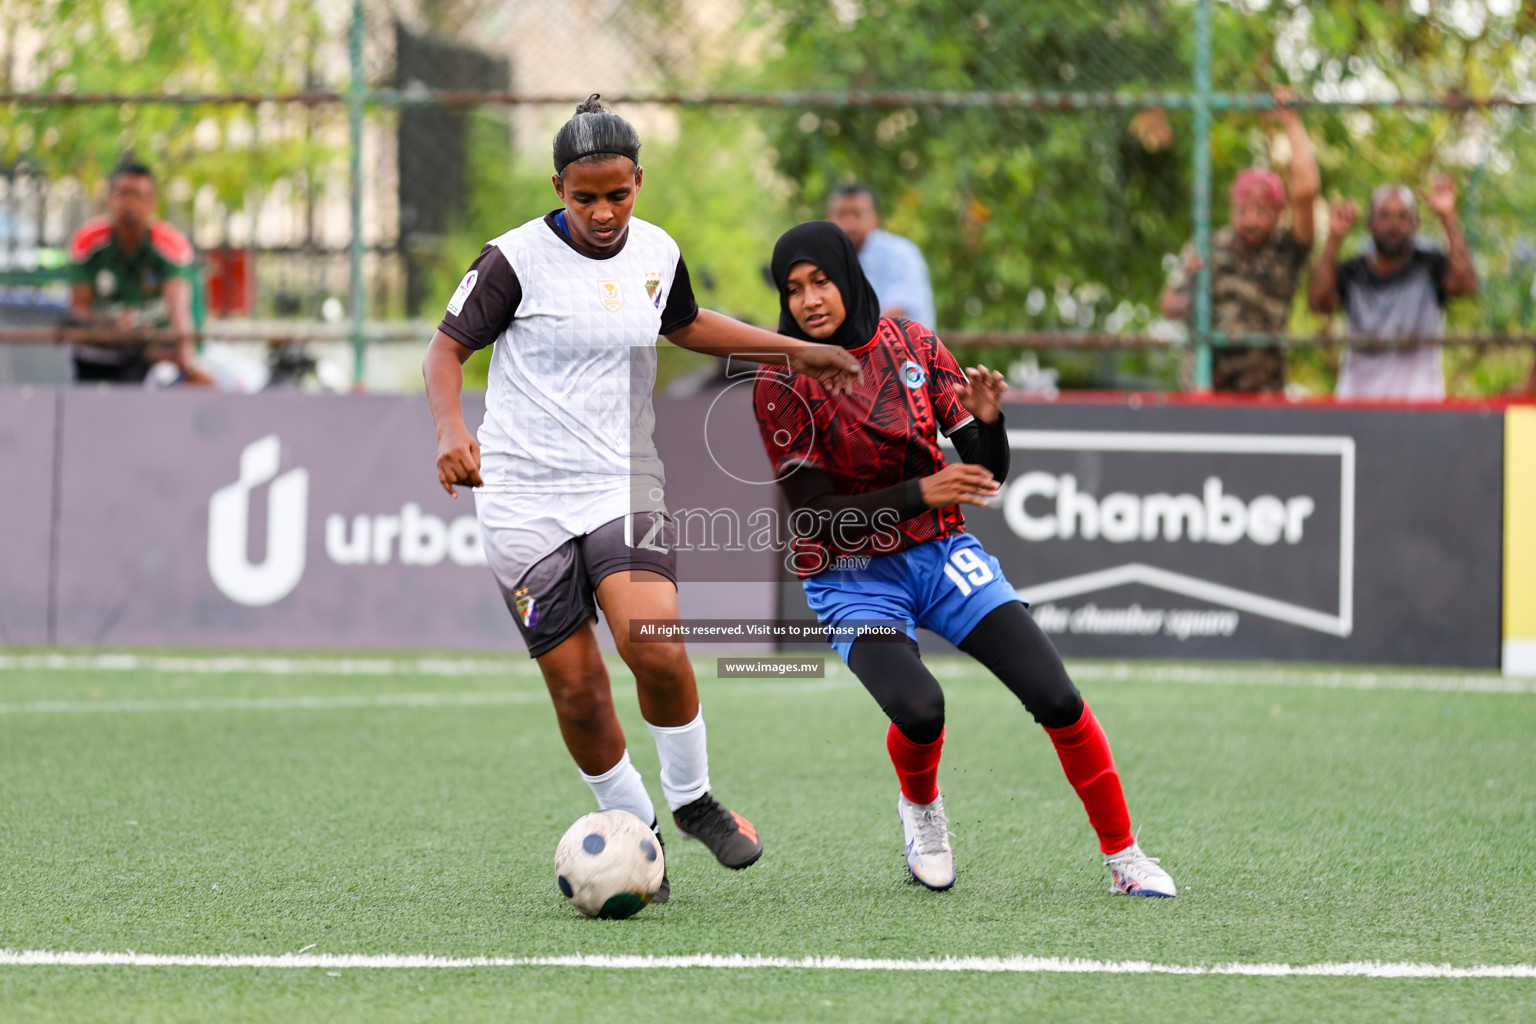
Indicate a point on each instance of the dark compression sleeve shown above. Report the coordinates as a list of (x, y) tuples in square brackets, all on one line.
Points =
[(1010, 643), (894, 674), (855, 514), (985, 445)]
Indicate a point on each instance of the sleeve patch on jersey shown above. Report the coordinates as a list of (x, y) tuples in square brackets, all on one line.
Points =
[(461, 293)]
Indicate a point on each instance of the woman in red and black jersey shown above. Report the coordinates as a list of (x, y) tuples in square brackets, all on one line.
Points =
[(881, 547)]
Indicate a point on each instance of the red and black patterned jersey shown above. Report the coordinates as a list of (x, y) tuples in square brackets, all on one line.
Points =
[(883, 432)]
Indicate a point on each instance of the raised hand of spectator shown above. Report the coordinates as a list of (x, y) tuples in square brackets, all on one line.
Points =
[(1442, 196), (1342, 217), (1461, 279), (1151, 128), (1285, 99)]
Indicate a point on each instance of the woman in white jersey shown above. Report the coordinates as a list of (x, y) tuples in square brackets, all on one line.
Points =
[(568, 487)]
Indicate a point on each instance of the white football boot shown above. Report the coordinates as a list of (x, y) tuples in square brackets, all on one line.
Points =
[(927, 833), (1135, 874)]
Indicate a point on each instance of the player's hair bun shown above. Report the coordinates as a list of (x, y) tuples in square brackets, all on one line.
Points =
[(595, 133)]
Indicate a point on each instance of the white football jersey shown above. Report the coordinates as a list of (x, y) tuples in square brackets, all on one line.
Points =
[(568, 406)]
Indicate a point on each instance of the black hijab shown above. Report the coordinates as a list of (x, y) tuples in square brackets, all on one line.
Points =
[(824, 244)]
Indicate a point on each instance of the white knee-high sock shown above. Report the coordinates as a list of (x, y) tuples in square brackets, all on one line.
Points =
[(620, 788), (684, 760)]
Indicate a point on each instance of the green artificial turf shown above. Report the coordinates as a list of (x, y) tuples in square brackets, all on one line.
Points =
[(185, 812)]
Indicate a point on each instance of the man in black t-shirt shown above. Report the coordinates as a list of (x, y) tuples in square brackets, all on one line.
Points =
[(1399, 289)]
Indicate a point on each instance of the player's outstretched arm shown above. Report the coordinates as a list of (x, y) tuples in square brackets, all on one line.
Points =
[(718, 335), (458, 454)]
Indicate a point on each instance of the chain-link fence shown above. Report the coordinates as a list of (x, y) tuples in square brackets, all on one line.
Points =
[(338, 165)]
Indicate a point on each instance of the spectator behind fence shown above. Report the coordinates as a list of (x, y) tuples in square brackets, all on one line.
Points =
[(1398, 288), (1256, 264), (130, 271), (894, 265)]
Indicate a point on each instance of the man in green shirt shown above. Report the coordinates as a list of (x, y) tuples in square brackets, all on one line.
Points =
[(128, 272)]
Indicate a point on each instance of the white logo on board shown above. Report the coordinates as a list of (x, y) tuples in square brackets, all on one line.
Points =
[(414, 537), (1212, 517), (1042, 506), (229, 521)]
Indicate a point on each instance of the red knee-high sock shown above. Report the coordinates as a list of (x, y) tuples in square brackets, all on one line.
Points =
[(1090, 767), (917, 765)]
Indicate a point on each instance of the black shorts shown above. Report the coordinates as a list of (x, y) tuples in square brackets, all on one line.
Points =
[(559, 593)]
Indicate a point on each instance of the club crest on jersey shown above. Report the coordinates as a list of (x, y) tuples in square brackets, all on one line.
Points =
[(527, 608), (912, 375), (653, 288), (611, 294)]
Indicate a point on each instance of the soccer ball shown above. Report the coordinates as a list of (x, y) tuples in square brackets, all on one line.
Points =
[(609, 864)]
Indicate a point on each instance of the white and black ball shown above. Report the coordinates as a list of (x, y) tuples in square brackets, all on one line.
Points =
[(609, 864)]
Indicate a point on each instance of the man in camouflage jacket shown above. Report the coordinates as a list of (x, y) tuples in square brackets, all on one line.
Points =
[(1256, 264)]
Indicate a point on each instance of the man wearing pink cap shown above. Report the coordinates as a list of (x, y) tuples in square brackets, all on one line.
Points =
[(1256, 264)]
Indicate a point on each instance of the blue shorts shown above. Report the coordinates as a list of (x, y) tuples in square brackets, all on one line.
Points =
[(946, 585)]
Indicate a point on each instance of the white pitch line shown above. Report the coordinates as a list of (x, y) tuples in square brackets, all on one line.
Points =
[(351, 701), (275, 665), (299, 703), (1332, 679), (978, 964)]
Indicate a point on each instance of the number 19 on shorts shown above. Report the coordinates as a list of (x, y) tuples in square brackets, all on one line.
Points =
[(967, 570)]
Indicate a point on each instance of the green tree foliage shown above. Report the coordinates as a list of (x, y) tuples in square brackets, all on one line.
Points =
[(1070, 208), (1052, 220), (172, 47)]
